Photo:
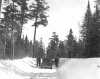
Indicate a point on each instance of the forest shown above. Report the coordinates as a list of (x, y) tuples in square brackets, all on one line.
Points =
[(13, 45)]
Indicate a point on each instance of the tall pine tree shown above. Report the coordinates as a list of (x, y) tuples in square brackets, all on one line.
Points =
[(91, 32), (38, 12), (86, 31), (53, 45), (70, 44), (95, 34)]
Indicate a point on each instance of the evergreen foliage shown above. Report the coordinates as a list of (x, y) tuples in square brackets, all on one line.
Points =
[(53, 46), (61, 50), (90, 33), (71, 45), (86, 30), (39, 15), (95, 34), (18, 13)]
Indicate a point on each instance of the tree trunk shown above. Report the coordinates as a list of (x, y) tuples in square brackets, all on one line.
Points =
[(13, 45), (13, 36), (4, 49), (34, 42), (34, 39)]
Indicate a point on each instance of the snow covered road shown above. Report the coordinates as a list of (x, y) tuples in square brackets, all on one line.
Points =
[(72, 69), (80, 69)]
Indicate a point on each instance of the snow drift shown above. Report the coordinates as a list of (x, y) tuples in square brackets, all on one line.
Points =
[(80, 69), (21, 69)]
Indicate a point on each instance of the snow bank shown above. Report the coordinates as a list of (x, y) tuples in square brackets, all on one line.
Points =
[(9, 75), (80, 69), (25, 65), (16, 69), (21, 69)]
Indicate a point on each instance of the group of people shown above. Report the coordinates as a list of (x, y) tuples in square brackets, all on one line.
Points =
[(47, 62)]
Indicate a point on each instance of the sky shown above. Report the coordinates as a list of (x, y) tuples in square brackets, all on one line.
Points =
[(63, 15)]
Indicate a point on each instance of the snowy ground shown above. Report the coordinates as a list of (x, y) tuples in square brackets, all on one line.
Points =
[(72, 69), (24, 69), (80, 69)]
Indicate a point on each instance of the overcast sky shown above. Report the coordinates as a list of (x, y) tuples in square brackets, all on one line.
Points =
[(63, 15)]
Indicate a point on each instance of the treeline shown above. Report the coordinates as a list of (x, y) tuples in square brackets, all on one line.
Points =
[(22, 48), (69, 48), (88, 44), (56, 49), (15, 14), (90, 32), (12, 45)]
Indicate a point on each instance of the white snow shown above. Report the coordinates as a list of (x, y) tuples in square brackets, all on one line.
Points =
[(21, 69), (80, 69), (71, 69)]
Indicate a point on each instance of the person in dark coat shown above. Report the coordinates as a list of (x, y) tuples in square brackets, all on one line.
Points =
[(56, 62)]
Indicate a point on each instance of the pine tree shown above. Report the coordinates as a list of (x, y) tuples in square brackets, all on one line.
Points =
[(80, 49), (10, 25), (61, 52), (39, 15), (95, 34), (22, 14), (14, 18), (86, 31), (91, 32), (53, 46), (71, 44)]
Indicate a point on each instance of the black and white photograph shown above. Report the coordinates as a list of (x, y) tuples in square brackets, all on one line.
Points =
[(49, 39)]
